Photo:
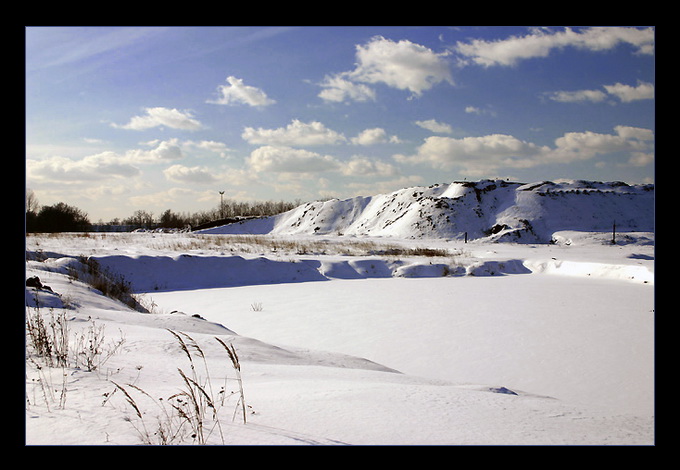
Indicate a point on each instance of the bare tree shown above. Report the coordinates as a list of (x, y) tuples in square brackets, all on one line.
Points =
[(31, 202)]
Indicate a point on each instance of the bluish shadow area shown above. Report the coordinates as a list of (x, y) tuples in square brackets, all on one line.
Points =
[(187, 272)]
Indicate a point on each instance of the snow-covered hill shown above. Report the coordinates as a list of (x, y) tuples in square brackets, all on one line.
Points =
[(494, 210), (402, 334)]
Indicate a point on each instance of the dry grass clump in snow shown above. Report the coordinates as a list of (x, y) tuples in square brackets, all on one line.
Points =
[(232, 244), (280, 245), (51, 350), (110, 284), (193, 413), (189, 415)]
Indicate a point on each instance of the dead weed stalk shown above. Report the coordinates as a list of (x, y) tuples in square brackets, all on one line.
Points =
[(192, 412)]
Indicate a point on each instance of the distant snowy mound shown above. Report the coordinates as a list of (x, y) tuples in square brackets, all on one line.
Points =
[(494, 210)]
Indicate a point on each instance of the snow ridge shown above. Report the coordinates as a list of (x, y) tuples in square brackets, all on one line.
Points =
[(494, 210)]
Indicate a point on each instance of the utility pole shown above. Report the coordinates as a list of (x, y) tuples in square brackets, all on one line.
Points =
[(221, 205)]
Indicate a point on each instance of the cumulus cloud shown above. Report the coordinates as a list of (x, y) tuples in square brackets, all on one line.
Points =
[(156, 117), (339, 89), (166, 150), (540, 43), (477, 156), (212, 146), (376, 135), (296, 134), (627, 93), (402, 64), (586, 145), (104, 165), (295, 165), (362, 166), (236, 92), (434, 126), (278, 159), (94, 167), (185, 174)]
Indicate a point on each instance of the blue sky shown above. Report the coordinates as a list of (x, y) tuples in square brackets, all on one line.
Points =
[(126, 118)]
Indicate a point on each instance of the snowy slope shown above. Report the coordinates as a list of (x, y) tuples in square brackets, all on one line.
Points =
[(492, 210), (528, 344)]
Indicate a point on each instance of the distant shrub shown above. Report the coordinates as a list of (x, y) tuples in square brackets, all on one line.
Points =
[(57, 218)]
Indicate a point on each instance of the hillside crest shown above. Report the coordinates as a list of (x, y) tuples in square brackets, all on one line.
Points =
[(496, 210)]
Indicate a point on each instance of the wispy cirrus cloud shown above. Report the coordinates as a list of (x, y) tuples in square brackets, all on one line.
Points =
[(541, 42), (622, 92)]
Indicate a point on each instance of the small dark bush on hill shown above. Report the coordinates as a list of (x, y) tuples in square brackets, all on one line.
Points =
[(57, 218)]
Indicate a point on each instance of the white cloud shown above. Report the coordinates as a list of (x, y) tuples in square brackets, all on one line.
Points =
[(574, 146), (212, 146), (338, 89), (239, 93), (184, 174), (477, 156), (295, 163), (297, 133), (216, 147), (166, 150), (104, 165), (595, 96), (289, 160), (434, 126), (640, 159), (374, 136), (403, 65), (634, 133), (362, 166), (480, 111), (540, 43), (94, 167), (625, 93), (159, 116)]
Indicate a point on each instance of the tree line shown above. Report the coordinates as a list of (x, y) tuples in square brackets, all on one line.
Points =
[(62, 217)]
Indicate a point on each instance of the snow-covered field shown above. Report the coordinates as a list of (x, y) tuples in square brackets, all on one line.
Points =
[(355, 340)]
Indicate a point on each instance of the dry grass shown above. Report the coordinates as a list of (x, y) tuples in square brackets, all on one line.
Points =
[(191, 414), (51, 350), (235, 244), (110, 284)]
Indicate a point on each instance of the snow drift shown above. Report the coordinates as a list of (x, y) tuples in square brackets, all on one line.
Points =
[(495, 210), (387, 350), (548, 339)]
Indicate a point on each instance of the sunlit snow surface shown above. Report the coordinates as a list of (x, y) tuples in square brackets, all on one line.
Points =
[(362, 340)]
